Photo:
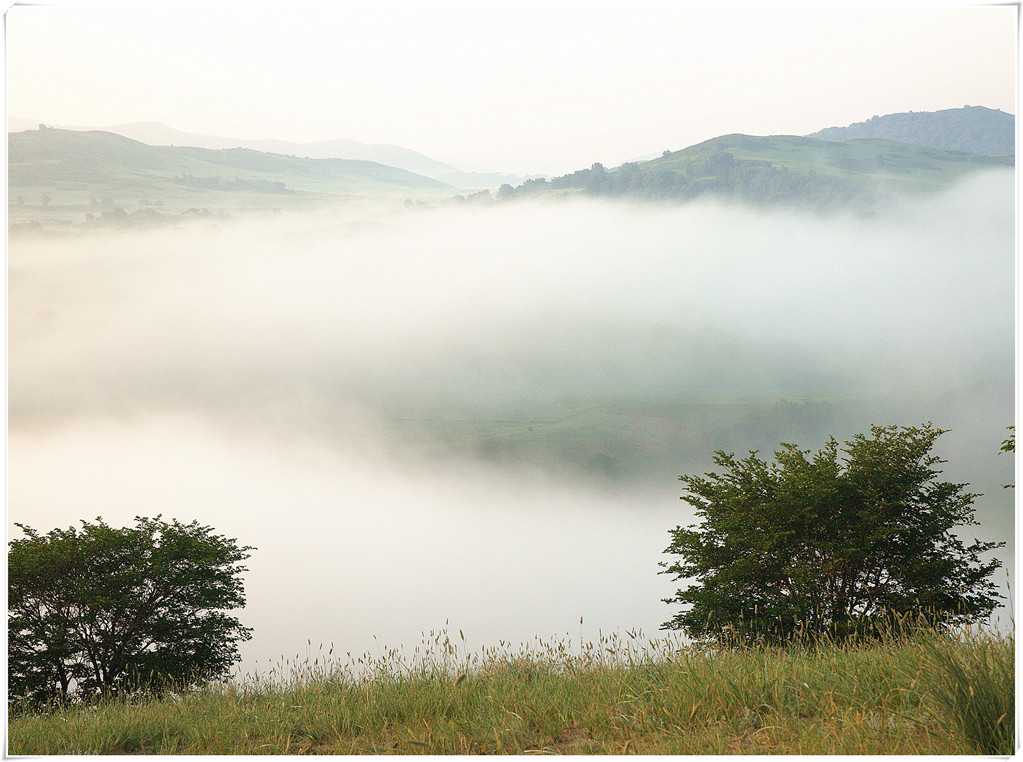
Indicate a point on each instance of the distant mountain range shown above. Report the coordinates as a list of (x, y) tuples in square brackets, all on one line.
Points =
[(96, 157), (973, 129), (158, 134), (60, 176)]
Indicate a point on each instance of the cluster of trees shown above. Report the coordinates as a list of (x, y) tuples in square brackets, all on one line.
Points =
[(148, 216), (216, 182), (748, 180), (837, 544), (44, 199), (479, 197)]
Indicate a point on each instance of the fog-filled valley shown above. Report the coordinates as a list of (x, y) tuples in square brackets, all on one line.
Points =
[(479, 414)]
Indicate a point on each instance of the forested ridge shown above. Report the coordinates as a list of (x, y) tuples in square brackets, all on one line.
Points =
[(973, 129)]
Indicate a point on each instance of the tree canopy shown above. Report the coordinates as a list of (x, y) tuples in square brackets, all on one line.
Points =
[(100, 610), (832, 543)]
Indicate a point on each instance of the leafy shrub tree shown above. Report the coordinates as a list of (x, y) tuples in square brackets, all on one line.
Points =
[(102, 610), (836, 543), (1009, 445)]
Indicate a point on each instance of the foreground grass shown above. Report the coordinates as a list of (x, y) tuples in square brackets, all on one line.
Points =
[(919, 695)]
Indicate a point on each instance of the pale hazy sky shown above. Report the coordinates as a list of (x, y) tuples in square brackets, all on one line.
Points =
[(514, 88)]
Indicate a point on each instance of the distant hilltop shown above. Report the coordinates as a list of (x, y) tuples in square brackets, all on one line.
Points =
[(842, 167), (972, 129), (61, 178), (157, 134)]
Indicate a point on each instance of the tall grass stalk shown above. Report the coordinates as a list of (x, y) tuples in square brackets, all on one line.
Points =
[(972, 681)]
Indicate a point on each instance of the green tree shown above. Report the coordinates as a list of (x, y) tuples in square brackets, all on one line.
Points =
[(1009, 445), (835, 542), (100, 610)]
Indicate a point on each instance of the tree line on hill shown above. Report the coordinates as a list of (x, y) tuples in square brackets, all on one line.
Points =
[(216, 182), (752, 181)]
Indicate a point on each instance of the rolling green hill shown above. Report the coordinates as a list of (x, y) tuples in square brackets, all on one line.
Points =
[(66, 177), (866, 159), (780, 169)]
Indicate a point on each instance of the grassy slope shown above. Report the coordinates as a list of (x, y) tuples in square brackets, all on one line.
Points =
[(926, 695), (871, 159), (73, 168)]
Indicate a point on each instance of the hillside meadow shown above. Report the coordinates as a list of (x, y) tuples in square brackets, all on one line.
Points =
[(919, 693)]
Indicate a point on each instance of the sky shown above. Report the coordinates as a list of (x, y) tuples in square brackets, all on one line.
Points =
[(523, 88)]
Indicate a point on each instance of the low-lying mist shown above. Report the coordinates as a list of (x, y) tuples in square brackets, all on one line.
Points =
[(480, 414)]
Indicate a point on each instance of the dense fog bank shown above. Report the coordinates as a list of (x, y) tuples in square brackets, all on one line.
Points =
[(480, 414)]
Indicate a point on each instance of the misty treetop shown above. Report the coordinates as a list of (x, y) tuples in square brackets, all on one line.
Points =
[(100, 610), (834, 542)]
